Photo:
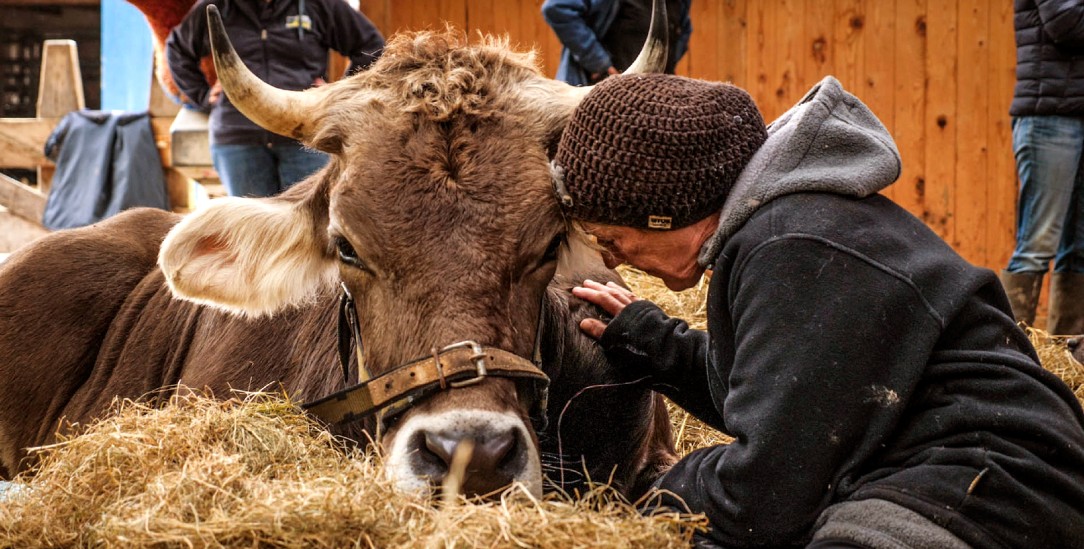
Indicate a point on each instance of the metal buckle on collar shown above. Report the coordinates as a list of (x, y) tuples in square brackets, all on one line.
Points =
[(479, 358)]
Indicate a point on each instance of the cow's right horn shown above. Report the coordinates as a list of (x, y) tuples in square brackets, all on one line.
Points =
[(284, 112)]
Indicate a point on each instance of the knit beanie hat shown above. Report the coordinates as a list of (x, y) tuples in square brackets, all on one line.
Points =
[(655, 151)]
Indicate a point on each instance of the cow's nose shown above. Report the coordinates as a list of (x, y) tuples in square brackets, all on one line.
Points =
[(1076, 347), (490, 467)]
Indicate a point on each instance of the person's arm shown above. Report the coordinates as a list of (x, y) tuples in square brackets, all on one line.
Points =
[(350, 33), (186, 45), (681, 41), (568, 20), (643, 341), (1063, 21), (829, 347)]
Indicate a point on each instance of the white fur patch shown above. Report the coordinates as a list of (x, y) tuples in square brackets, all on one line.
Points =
[(248, 256), (398, 465)]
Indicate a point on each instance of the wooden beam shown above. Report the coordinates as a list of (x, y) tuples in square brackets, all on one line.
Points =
[(21, 200), (22, 141), (60, 89)]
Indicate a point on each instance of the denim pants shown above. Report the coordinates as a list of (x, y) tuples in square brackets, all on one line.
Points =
[(262, 170), (1050, 209)]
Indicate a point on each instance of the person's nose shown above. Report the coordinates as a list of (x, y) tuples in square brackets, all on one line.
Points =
[(611, 260)]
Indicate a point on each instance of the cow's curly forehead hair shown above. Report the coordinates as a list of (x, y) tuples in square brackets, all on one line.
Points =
[(443, 74)]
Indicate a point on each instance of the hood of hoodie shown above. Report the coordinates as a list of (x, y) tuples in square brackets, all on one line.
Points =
[(829, 142)]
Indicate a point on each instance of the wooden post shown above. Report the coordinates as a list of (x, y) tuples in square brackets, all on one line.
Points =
[(60, 90)]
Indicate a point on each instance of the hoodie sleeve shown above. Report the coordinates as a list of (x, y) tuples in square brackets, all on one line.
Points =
[(829, 348), (644, 341), (353, 35), (568, 19), (186, 45)]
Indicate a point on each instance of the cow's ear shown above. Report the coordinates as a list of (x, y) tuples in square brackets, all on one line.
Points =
[(249, 256)]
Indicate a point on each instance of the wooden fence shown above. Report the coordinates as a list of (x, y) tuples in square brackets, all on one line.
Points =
[(939, 74)]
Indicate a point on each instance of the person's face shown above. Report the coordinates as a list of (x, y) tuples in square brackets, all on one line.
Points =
[(667, 255)]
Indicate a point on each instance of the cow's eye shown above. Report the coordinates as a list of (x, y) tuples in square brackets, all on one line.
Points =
[(553, 249), (347, 254)]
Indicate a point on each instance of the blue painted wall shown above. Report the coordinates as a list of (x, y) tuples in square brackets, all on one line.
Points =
[(127, 57)]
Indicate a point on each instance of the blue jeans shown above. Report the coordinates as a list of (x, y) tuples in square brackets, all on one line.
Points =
[(1050, 209), (260, 170)]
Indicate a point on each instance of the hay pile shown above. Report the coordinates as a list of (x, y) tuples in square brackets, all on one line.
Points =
[(256, 472), (1055, 357)]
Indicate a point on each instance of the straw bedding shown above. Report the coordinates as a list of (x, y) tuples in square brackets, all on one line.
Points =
[(254, 471)]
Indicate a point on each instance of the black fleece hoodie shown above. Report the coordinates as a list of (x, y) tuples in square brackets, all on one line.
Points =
[(854, 355)]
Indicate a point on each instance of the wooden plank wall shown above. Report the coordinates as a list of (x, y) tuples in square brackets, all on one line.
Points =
[(939, 74)]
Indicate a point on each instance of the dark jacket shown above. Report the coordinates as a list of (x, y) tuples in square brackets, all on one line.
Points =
[(106, 162), (853, 355), (581, 24), (290, 57), (1049, 58)]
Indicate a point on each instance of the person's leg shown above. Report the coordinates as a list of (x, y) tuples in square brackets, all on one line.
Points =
[(295, 163), (1048, 153), (879, 524), (835, 544), (1070, 257), (245, 170), (1047, 150), (1067, 281)]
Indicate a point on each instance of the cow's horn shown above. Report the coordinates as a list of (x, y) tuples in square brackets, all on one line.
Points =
[(284, 112), (656, 51), (652, 58)]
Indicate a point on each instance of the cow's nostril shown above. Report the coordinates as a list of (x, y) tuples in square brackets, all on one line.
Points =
[(441, 446), (492, 452)]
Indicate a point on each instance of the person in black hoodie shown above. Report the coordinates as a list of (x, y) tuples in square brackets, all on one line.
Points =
[(877, 386), (284, 42)]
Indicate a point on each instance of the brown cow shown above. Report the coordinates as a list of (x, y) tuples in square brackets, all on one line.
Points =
[(436, 212)]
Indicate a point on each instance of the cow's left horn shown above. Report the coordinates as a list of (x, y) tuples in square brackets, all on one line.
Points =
[(652, 58), (284, 112), (656, 50)]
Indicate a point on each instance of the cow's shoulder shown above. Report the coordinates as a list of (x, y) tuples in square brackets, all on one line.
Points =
[(131, 237), (87, 265)]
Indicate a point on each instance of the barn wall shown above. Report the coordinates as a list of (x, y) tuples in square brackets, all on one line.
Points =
[(939, 73)]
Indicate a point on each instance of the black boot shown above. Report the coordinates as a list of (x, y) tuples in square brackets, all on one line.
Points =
[(1066, 304), (1023, 290)]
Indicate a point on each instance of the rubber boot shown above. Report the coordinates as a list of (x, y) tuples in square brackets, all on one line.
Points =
[(1023, 290), (1066, 304)]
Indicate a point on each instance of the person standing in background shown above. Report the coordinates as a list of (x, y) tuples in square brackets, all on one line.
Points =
[(603, 37), (1048, 139), (284, 42)]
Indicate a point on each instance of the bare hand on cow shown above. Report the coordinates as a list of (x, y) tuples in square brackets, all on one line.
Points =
[(611, 297), (215, 94)]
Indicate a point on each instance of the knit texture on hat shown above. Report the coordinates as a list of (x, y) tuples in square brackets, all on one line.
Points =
[(656, 151)]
